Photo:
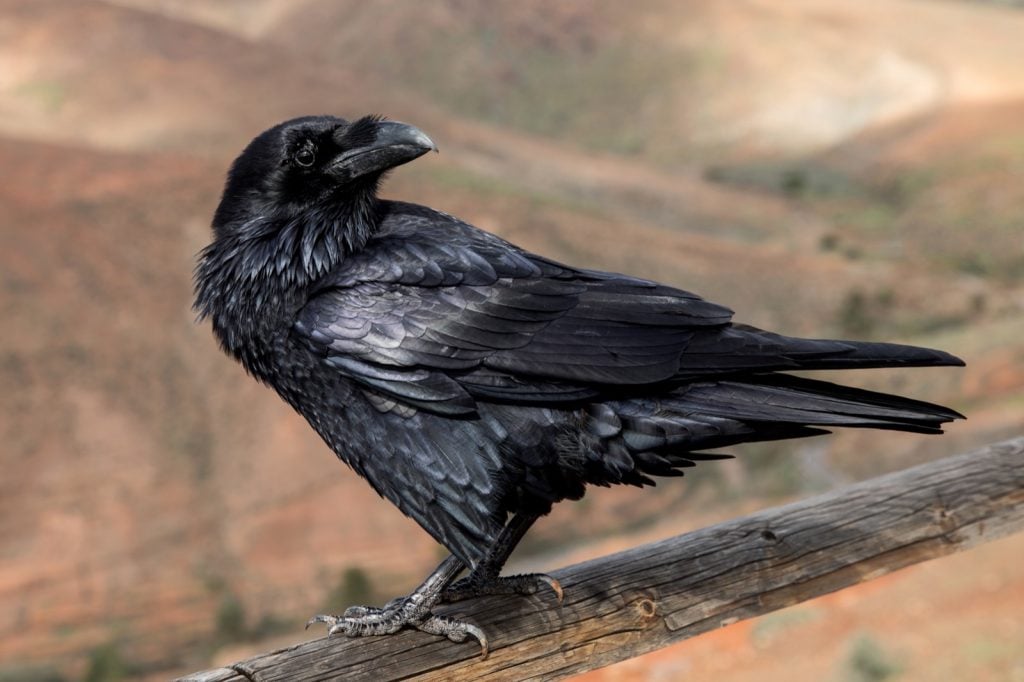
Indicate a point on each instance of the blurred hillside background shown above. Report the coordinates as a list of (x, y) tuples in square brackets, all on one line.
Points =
[(825, 168)]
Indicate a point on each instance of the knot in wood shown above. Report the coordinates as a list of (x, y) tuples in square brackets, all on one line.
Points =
[(646, 608)]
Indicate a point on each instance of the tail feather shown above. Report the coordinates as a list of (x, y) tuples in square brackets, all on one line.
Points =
[(731, 388), (744, 349), (661, 435), (866, 354), (775, 398)]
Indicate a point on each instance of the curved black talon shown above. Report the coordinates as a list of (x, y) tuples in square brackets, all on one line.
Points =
[(455, 630)]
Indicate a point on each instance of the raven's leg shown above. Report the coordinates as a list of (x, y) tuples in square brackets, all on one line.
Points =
[(484, 579), (412, 611)]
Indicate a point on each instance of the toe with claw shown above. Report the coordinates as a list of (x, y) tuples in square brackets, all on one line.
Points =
[(368, 621), (525, 584)]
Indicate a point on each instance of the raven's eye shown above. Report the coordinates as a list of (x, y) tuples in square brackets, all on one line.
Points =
[(305, 157)]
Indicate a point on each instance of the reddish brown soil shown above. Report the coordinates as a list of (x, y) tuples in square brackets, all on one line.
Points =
[(147, 482)]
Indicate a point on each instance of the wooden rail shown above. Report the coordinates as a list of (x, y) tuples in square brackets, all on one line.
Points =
[(626, 604)]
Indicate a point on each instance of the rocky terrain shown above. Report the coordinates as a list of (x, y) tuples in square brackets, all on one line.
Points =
[(824, 168)]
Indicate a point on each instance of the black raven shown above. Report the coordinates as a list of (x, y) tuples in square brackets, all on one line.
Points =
[(475, 384)]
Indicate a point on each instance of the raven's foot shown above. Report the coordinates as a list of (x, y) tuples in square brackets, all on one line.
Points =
[(525, 584), (413, 611), (364, 621)]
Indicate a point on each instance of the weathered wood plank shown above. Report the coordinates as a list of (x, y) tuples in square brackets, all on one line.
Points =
[(627, 604)]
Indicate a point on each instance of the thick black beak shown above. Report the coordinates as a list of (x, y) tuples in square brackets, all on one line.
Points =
[(394, 143)]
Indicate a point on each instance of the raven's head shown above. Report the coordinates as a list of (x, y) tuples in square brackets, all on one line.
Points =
[(299, 198), (310, 162)]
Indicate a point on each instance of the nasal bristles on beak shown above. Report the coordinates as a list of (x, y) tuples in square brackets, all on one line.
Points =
[(362, 131)]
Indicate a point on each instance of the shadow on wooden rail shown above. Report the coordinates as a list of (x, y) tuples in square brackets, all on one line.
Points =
[(626, 604)]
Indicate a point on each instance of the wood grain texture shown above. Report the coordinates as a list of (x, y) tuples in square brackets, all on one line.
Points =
[(626, 604)]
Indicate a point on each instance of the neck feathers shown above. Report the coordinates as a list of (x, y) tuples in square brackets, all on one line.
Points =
[(255, 276)]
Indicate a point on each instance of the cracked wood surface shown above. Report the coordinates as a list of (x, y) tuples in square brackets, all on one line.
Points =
[(626, 604)]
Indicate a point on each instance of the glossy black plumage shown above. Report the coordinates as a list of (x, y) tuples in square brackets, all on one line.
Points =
[(467, 379)]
